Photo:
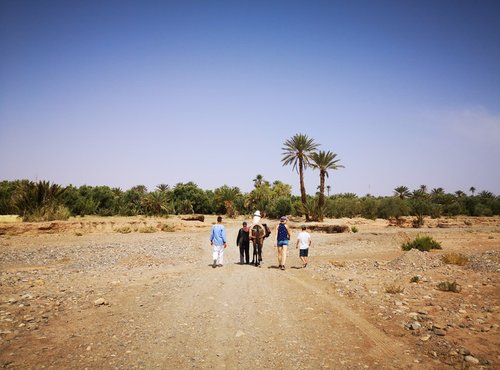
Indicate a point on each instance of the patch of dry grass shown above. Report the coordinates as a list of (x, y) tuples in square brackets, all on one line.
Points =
[(447, 286), (124, 230), (148, 229), (394, 289), (337, 263), (10, 218), (167, 228), (455, 259)]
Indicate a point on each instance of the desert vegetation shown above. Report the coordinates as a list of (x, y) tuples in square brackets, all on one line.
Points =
[(45, 201)]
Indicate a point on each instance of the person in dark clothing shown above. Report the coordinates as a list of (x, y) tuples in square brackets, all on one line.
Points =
[(243, 241)]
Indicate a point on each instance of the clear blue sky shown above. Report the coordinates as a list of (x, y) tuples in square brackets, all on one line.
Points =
[(123, 93)]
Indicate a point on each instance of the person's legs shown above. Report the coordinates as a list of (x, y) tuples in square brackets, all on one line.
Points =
[(221, 255), (247, 252), (215, 255), (278, 250), (242, 254), (303, 256), (283, 255)]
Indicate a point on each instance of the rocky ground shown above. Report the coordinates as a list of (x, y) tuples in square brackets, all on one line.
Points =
[(121, 293)]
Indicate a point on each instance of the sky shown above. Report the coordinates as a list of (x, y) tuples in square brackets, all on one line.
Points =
[(125, 93)]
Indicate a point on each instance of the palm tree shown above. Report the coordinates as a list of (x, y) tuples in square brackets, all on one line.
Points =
[(296, 151), (437, 191), (459, 193), (472, 190), (162, 188), (324, 161), (259, 179), (402, 192)]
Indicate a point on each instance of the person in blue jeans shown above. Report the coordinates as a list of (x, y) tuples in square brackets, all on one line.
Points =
[(282, 239), (218, 241)]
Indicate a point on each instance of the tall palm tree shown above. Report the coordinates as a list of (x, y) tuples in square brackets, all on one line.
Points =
[(324, 161), (472, 190), (296, 152), (402, 192)]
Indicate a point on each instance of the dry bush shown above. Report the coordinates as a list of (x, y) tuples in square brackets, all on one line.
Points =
[(446, 286), (124, 230), (78, 233), (167, 228), (455, 259), (148, 229), (394, 289), (337, 263)]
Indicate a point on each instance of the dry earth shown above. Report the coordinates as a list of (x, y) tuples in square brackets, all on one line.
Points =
[(79, 294)]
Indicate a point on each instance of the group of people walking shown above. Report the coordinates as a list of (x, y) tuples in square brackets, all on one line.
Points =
[(256, 233)]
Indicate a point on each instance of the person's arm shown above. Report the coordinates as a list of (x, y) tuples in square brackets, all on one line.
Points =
[(212, 236), (224, 236), (298, 242), (238, 238)]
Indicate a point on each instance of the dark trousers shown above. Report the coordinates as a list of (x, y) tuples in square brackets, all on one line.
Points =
[(244, 253)]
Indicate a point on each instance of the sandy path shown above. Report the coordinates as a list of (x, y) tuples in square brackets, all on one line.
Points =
[(247, 317)]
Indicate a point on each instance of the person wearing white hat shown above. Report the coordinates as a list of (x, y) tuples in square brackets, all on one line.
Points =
[(257, 235)]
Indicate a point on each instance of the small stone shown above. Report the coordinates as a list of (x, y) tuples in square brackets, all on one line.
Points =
[(415, 325), (425, 338), (471, 359), (89, 348), (100, 302), (439, 332), (239, 333), (413, 315)]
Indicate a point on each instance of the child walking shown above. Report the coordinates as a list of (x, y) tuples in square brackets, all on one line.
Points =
[(304, 242)]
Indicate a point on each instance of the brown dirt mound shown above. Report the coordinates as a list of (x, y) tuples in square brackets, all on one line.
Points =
[(415, 260)]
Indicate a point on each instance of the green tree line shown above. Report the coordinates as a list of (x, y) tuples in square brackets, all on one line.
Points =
[(45, 201)]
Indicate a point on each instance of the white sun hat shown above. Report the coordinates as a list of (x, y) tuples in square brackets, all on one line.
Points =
[(257, 213)]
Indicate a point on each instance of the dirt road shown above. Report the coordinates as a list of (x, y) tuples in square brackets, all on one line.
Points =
[(163, 306)]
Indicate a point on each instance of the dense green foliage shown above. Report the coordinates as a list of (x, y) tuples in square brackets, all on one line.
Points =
[(422, 243), (46, 201)]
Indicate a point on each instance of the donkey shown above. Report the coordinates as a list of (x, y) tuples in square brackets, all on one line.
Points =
[(257, 235)]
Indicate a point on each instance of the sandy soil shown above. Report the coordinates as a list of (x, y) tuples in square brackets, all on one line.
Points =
[(80, 294)]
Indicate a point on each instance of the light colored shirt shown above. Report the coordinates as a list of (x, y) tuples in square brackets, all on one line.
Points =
[(218, 236), (304, 239)]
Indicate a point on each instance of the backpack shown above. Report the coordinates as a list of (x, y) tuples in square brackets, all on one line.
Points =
[(268, 230)]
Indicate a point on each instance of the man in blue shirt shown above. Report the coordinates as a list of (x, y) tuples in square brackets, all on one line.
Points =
[(218, 241)]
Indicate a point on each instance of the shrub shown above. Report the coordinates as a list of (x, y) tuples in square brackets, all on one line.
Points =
[(167, 228), (394, 289), (415, 279), (354, 229), (148, 229), (124, 230), (422, 243), (446, 286), (455, 259)]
